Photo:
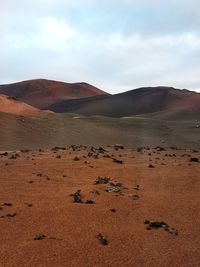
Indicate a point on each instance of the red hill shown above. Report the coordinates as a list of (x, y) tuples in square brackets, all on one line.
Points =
[(41, 93)]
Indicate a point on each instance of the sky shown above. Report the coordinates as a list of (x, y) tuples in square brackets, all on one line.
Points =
[(116, 45)]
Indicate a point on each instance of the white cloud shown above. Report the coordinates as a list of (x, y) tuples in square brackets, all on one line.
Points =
[(47, 39), (53, 33)]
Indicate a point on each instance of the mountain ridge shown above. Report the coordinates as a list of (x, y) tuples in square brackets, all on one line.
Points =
[(138, 101), (41, 93)]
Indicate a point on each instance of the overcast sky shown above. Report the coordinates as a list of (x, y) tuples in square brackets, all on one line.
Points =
[(115, 45)]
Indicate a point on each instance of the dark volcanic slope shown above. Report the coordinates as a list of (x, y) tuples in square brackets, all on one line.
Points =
[(140, 101), (41, 93)]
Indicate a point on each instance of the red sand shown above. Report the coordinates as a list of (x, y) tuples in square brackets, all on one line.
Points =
[(11, 106), (168, 193)]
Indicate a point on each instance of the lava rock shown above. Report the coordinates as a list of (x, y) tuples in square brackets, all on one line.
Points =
[(194, 160), (77, 197), (102, 180), (39, 237), (102, 239)]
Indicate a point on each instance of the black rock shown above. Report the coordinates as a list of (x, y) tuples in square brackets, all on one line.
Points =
[(194, 160), (151, 166), (113, 210), (11, 215), (77, 197), (102, 180), (39, 237), (117, 160), (102, 239), (7, 204), (76, 158), (89, 202), (160, 224)]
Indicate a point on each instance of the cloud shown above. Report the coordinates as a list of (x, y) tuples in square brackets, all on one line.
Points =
[(116, 45), (52, 34)]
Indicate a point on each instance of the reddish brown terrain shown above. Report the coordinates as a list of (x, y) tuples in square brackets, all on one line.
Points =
[(12, 106), (41, 93), (77, 205), (146, 214)]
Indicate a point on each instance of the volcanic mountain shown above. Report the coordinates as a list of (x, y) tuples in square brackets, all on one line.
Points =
[(167, 101), (41, 93), (11, 106)]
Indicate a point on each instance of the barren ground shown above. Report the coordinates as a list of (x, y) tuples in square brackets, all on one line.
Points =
[(35, 199)]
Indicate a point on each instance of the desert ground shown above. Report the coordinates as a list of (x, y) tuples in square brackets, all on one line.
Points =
[(91, 179), (55, 129), (136, 207)]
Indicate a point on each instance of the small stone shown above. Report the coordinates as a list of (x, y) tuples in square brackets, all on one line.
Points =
[(102, 180), (76, 158), (194, 160), (39, 237), (89, 202), (7, 204), (151, 166), (113, 210), (117, 160), (102, 239), (134, 197), (77, 197), (11, 215)]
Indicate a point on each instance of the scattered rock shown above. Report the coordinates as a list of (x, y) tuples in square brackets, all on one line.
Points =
[(4, 154), (101, 150), (102, 180), (113, 210), (160, 224), (106, 156), (11, 215), (102, 239), (151, 166), (134, 197), (29, 205), (58, 148), (118, 146), (25, 150), (89, 202), (77, 197), (39, 237), (137, 187), (158, 148), (94, 191), (7, 204), (194, 160), (113, 189), (40, 174), (13, 155), (76, 158), (117, 160)]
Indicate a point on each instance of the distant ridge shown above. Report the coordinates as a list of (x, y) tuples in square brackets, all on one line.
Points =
[(85, 99), (146, 100), (41, 93)]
